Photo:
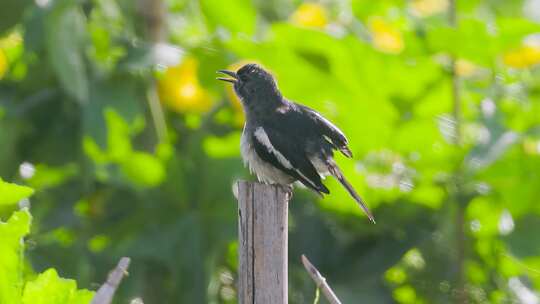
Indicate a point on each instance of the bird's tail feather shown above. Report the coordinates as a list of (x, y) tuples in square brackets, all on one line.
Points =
[(336, 172)]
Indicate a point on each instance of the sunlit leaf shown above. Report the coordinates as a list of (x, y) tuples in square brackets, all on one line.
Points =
[(114, 103), (13, 193), (431, 196), (93, 151), (11, 251), (405, 294), (143, 169), (98, 243), (222, 146), (512, 31), (118, 139), (46, 176), (238, 16), (471, 40), (49, 288), (484, 217)]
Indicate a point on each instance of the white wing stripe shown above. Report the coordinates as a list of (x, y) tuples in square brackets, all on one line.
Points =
[(262, 137)]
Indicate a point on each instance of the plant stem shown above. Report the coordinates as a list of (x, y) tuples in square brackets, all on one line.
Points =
[(460, 237), (317, 295), (153, 12), (456, 101)]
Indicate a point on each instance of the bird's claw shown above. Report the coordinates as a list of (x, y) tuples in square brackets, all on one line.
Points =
[(288, 189)]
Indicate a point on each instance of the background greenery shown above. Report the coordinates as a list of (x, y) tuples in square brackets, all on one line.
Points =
[(111, 112)]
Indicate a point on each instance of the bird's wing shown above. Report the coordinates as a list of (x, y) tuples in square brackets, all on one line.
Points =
[(327, 129), (283, 152)]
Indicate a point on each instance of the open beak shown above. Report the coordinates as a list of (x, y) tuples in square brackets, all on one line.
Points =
[(234, 78)]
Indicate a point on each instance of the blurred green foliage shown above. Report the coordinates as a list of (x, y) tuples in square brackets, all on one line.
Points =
[(111, 112), (17, 284)]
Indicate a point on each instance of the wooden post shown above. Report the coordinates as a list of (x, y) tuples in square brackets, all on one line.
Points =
[(262, 248)]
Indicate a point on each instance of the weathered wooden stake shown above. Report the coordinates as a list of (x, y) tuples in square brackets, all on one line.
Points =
[(105, 294), (262, 248), (320, 281)]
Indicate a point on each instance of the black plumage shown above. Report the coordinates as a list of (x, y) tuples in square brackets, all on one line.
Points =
[(290, 136), (283, 141)]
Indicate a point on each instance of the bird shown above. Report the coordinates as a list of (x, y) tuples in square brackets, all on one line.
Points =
[(283, 141)]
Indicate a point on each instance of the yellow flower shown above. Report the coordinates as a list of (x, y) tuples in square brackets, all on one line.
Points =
[(426, 8), (180, 90), (522, 57), (3, 64), (465, 68), (7, 43), (310, 15), (531, 146), (386, 38)]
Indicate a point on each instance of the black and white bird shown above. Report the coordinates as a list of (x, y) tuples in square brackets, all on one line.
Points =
[(284, 142)]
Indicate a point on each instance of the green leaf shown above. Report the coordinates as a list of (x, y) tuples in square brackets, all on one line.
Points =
[(428, 195), (11, 253), (364, 9), (65, 31), (93, 151), (121, 95), (143, 169), (12, 193), (47, 177), (48, 288), (118, 140), (471, 40), (222, 147), (484, 212), (238, 16), (511, 31), (522, 242)]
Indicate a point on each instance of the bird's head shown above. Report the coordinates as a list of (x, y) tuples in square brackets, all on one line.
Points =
[(253, 84)]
